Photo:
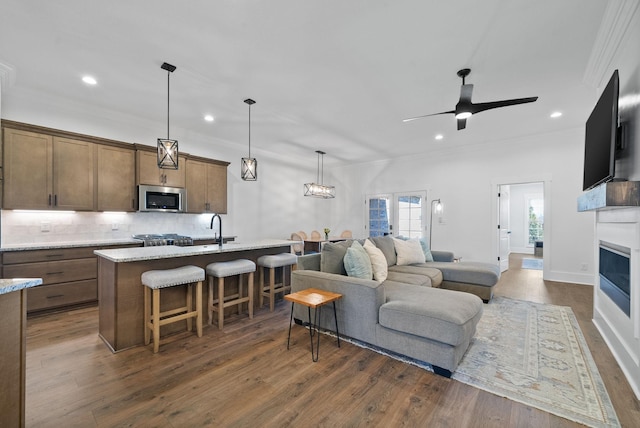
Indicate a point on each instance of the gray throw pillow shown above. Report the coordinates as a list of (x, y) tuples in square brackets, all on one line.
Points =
[(332, 257), (388, 248)]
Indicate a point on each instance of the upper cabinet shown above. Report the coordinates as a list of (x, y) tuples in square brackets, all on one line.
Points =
[(149, 173), (116, 179), (206, 186), (50, 169), (45, 172)]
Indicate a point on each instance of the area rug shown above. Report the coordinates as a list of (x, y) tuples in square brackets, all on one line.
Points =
[(535, 354), (532, 264)]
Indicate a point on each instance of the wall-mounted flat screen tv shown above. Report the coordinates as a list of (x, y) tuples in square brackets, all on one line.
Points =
[(600, 137)]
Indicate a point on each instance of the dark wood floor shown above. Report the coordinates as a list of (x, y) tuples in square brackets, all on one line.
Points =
[(244, 376)]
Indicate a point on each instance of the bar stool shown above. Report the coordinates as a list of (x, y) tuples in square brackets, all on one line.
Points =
[(154, 280), (272, 262), (221, 270)]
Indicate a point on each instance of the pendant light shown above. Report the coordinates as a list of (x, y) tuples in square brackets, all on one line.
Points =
[(167, 148), (319, 190), (249, 165)]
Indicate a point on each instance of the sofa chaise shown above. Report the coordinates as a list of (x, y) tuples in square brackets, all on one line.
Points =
[(406, 313)]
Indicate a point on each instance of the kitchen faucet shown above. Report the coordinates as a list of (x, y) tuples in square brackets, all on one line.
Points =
[(220, 227)]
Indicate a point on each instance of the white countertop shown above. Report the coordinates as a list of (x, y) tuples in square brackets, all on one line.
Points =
[(15, 284), (87, 243), (123, 255)]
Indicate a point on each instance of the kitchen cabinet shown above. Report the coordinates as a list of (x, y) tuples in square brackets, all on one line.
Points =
[(45, 172), (206, 186), (68, 276), (116, 179), (149, 173)]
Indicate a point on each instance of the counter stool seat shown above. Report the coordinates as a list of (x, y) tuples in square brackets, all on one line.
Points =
[(154, 281), (222, 270), (273, 262)]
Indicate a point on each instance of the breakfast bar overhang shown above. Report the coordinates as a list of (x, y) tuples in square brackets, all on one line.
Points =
[(120, 292)]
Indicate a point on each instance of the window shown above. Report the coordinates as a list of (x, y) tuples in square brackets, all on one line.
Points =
[(379, 216), (399, 214), (410, 216), (534, 222)]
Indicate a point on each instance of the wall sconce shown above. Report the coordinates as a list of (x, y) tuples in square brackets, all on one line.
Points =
[(437, 209), (167, 148), (249, 165), (319, 190)]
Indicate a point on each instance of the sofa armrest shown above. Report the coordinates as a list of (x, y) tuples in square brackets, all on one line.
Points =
[(309, 262), (442, 256), (357, 309)]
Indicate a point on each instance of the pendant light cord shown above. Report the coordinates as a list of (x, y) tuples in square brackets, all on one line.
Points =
[(168, 76)]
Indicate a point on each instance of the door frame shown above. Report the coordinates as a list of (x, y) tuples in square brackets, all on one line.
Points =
[(544, 178)]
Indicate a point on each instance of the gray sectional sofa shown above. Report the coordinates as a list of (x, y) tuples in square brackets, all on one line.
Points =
[(407, 313)]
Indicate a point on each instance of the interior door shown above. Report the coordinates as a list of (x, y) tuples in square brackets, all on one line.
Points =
[(504, 232)]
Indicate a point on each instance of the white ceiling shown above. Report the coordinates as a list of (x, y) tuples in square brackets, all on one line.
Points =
[(333, 75)]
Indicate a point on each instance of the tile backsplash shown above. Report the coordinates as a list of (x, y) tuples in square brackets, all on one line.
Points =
[(33, 227)]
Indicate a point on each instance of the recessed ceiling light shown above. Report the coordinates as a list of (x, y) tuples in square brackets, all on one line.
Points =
[(439, 137), (556, 114), (89, 80), (208, 118)]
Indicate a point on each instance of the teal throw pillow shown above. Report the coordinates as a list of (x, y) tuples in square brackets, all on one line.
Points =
[(428, 257), (357, 262)]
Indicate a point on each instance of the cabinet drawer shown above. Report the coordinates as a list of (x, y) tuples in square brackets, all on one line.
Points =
[(13, 257), (53, 296), (54, 272)]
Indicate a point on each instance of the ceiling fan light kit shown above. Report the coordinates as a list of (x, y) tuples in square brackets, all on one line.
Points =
[(465, 108)]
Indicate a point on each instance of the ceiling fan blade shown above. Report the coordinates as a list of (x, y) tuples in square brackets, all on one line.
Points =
[(427, 115), (465, 93), (477, 108), (462, 123)]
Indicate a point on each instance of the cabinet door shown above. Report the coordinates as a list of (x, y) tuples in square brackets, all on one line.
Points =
[(196, 186), (149, 173), (73, 174), (27, 170), (116, 179), (217, 188)]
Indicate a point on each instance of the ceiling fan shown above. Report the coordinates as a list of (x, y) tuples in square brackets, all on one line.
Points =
[(465, 108)]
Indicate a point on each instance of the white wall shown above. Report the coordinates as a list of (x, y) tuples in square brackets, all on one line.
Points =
[(464, 181)]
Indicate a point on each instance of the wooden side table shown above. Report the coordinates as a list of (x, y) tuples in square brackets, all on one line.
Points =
[(316, 299)]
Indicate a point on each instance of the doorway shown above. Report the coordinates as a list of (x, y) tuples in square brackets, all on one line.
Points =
[(398, 214), (521, 220)]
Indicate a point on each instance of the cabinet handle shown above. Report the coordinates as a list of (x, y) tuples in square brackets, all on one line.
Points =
[(55, 296), (55, 273), (133, 204), (49, 203), (55, 200), (55, 255)]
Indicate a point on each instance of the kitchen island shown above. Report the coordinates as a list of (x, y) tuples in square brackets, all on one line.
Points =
[(13, 330), (120, 292)]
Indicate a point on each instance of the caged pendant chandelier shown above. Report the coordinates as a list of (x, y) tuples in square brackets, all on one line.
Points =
[(249, 165), (167, 148), (319, 190)]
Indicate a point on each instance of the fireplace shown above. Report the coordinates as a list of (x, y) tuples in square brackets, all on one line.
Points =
[(615, 275)]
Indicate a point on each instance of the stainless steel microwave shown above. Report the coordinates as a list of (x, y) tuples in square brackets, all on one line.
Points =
[(163, 199)]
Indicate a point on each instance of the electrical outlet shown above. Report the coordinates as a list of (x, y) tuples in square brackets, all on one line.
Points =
[(583, 267), (114, 226), (45, 226)]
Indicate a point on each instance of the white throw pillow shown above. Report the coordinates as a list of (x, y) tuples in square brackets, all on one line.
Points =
[(408, 252), (378, 261)]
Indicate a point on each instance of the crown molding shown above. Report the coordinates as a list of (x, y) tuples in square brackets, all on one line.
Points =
[(613, 29), (7, 76)]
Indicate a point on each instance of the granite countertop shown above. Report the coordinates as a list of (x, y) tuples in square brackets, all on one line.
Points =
[(16, 284), (90, 243), (122, 255)]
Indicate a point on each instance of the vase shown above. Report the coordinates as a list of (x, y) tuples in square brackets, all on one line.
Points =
[(326, 236)]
